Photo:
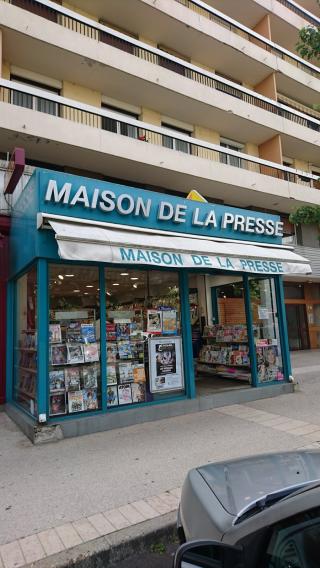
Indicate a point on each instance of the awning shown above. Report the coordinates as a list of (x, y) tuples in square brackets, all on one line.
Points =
[(81, 241)]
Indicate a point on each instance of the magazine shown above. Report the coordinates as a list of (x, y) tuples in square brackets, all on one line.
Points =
[(124, 394), (111, 375), (90, 376), (73, 336), (57, 404), (72, 378), (74, 326), (111, 332), (54, 333), (88, 333), (59, 354), (91, 352), (56, 380), (90, 400), (138, 391), (137, 350), (112, 352), (124, 350), (75, 354), (169, 322), (125, 372), (139, 374), (75, 401), (122, 330), (154, 321), (112, 396)]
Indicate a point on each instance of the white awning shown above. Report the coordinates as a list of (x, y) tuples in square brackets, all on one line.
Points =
[(81, 241)]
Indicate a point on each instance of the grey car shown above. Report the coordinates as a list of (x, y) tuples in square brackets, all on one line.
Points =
[(261, 512)]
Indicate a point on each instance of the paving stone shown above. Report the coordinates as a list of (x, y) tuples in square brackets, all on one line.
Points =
[(32, 548), (68, 535), (232, 409), (145, 509), (170, 500), (101, 524), (50, 542), (159, 505), (117, 519), (176, 492), (289, 425), (313, 437), (85, 529), (133, 516), (11, 554), (307, 429)]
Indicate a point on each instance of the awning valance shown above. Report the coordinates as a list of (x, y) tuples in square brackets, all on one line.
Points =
[(81, 242)]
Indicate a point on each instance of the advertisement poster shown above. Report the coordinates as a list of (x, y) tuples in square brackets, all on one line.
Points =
[(166, 365), (154, 321), (169, 322)]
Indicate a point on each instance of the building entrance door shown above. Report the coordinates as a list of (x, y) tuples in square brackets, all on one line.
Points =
[(297, 327)]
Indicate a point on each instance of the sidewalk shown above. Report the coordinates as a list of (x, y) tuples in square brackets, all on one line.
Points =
[(79, 489)]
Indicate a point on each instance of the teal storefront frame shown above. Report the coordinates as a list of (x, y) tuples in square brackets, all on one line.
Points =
[(31, 246)]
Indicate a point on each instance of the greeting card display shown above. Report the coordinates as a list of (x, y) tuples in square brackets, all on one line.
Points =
[(75, 354)]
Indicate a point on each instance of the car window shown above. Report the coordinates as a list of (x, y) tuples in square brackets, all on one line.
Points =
[(295, 542)]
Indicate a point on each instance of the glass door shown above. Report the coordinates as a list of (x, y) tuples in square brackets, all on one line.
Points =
[(297, 327)]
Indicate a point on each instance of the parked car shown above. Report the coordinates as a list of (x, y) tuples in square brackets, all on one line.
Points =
[(256, 512)]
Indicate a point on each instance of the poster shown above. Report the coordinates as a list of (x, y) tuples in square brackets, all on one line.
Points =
[(169, 322), (154, 321), (165, 364)]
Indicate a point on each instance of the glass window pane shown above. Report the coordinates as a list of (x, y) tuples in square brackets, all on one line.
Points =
[(140, 305), (182, 146), (167, 142), (21, 99), (128, 130), (25, 353), (266, 329), (49, 107), (74, 333)]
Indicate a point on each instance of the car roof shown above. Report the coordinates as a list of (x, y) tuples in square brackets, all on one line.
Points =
[(237, 483)]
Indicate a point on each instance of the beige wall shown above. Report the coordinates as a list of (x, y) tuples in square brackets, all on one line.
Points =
[(263, 27), (83, 95), (268, 87), (209, 136), (272, 150), (152, 117), (252, 150)]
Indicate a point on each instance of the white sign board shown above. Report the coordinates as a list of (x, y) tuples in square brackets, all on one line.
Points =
[(165, 364)]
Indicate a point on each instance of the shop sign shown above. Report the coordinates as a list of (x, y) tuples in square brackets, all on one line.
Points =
[(107, 202), (165, 364)]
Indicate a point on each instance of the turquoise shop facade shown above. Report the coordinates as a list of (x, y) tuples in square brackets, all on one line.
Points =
[(88, 204)]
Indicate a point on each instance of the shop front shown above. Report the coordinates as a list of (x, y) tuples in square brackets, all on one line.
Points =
[(127, 305)]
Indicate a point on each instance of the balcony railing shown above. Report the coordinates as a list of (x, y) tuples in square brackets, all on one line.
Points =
[(250, 35), (36, 100), (300, 11), (85, 26)]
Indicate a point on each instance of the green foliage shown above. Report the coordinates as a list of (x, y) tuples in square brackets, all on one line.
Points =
[(306, 215), (309, 42), (158, 548)]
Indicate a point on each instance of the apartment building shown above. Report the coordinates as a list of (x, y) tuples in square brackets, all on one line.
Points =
[(170, 96)]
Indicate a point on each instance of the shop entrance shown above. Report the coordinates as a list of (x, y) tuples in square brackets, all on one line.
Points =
[(297, 327), (220, 334)]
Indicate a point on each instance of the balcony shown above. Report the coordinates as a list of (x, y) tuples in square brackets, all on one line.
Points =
[(153, 78), (81, 136)]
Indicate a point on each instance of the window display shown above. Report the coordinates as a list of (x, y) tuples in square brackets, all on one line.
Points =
[(140, 305), (74, 348), (25, 357)]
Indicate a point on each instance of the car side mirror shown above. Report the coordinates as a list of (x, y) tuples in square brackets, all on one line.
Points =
[(208, 554)]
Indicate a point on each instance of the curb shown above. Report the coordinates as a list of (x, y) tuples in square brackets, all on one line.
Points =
[(107, 551)]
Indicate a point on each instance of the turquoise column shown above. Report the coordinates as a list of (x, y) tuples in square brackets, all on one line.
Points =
[(252, 346), (186, 335), (42, 337), (103, 338), (10, 354), (282, 319)]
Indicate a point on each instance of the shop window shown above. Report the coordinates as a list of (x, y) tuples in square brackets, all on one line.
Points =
[(266, 330), (144, 351), (117, 126), (175, 143), (74, 346), (25, 353), (34, 102)]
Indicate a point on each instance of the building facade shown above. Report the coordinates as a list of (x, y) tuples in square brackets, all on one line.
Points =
[(170, 97)]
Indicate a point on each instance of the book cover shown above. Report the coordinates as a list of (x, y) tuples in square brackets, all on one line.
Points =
[(90, 399), (91, 352), (154, 321), (72, 378), (111, 375), (59, 354), (75, 354), (56, 380), (124, 350), (124, 394), (88, 333), (122, 330), (112, 396), (138, 391), (90, 377), (57, 404), (139, 374), (75, 401), (125, 372), (54, 333), (112, 352)]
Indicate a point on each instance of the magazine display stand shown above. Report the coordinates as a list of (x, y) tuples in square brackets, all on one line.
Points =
[(26, 366), (74, 368)]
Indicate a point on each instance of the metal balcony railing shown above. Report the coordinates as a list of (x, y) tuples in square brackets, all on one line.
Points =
[(300, 11), (37, 101), (99, 32), (223, 20)]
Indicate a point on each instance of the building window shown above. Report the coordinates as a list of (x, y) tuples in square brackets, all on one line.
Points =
[(228, 159), (34, 102), (293, 291), (175, 143), (117, 126)]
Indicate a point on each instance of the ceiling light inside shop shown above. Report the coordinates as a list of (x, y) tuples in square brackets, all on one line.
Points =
[(89, 285), (134, 278), (135, 285), (86, 293), (115, 284), (69, 275), (124, 274), (76, 290), (60, 276), (108, 293)]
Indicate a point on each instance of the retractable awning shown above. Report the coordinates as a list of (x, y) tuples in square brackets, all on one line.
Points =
[(82, 241)]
